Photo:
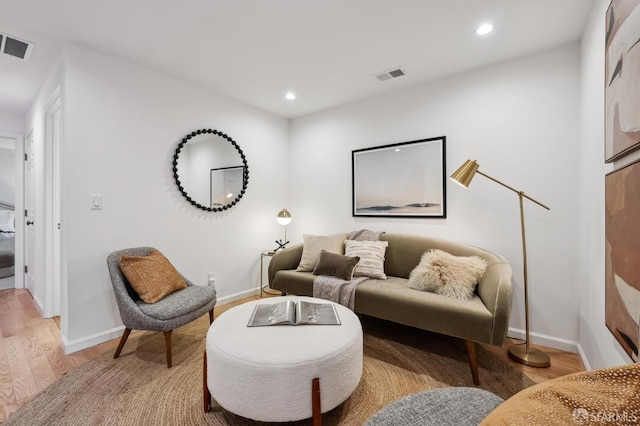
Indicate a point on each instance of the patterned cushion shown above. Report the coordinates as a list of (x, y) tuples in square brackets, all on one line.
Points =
[(608, 396), (152, 277), (371, 254)]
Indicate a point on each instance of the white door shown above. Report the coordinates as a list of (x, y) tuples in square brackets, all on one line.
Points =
[(53, 140), (29, 214)]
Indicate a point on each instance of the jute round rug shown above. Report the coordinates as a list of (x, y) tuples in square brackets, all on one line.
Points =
[(138, 389)]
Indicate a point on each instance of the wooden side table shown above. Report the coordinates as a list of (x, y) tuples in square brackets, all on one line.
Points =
[(263, 255)]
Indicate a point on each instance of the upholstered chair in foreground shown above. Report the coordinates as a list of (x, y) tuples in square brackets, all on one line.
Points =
[(608, 396), (170, 312)]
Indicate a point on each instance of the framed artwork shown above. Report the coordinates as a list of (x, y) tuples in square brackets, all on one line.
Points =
[(622, 251), (622, 79), (400, 180), (226, 184)]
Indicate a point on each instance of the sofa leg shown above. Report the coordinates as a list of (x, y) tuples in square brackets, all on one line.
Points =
[(473, 362)]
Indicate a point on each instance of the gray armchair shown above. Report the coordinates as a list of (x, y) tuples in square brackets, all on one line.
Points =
[(173, 311)]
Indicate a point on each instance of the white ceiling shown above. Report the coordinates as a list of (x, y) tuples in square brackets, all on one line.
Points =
[(326, 51)]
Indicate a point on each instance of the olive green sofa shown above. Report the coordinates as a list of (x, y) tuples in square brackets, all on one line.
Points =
[(484, 319)]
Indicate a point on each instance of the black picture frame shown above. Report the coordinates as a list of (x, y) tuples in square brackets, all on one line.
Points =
[(404, 180)]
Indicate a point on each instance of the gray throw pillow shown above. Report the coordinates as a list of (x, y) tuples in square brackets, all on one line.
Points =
[(336, 265)]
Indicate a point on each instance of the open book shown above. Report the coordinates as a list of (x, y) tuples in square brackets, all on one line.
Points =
[(291, 312)]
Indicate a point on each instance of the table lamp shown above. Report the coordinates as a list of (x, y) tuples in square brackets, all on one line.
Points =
[(283, 218)]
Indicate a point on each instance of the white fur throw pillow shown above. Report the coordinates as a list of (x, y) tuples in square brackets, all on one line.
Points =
[(448, 275)]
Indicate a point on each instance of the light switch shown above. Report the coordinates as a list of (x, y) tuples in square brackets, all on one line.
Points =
[(96, 201)]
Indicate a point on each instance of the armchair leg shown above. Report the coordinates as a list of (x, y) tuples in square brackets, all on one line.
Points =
[(211, 316), (473, 362), (123, 339), (167, 340)]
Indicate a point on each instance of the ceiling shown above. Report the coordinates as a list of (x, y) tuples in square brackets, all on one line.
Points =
[(326, 51)]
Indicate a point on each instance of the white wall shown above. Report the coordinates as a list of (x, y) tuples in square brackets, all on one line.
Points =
[(11, 123), (122, 126), (519, 119), (598, 345)]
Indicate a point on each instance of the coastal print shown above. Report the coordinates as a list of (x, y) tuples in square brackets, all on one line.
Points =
[(400, 180)]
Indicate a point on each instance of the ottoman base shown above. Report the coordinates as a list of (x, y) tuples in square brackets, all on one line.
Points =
[(316, 417)]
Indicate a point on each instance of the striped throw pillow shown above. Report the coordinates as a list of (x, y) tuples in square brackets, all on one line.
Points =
[(371, 254)]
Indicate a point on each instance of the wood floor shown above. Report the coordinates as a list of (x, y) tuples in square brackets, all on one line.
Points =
[(31, 357)]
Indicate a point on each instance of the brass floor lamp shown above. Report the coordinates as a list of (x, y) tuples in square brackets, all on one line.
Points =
[(519, 352)]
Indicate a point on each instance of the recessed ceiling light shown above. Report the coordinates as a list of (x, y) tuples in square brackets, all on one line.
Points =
[(484, 29), (291, 96)]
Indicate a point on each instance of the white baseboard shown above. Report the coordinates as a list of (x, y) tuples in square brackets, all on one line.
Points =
[(115, 333), (545, 340), (583, 357), (70, 346), (39, 305), (89, 341), (238, 296)]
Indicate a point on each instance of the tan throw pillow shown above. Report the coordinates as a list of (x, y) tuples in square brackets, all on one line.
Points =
[(371, 254), (448, 275), (152, 277), (312, 246), (336, 265)]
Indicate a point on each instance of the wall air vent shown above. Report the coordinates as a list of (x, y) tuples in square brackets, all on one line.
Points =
[(17, 48), (389, 74)]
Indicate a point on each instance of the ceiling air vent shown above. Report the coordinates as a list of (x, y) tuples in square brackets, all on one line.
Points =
[(12, 46), (389, 74)]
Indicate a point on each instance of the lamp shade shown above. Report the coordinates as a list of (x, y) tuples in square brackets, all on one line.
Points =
[(465, 173), (284, 217)]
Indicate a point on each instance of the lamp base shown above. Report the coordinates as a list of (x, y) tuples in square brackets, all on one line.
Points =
[(534, 358), (281, 245)]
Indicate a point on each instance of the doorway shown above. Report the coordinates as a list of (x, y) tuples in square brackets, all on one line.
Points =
[(8, 166)]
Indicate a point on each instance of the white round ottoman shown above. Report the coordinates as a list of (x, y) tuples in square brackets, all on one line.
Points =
[(266, 373)]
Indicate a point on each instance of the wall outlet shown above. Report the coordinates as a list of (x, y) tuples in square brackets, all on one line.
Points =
[(211, 278)]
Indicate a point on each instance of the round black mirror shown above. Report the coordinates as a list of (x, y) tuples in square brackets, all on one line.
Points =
[(210, 170)]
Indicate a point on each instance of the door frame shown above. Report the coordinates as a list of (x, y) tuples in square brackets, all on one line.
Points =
[(54, 273)]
